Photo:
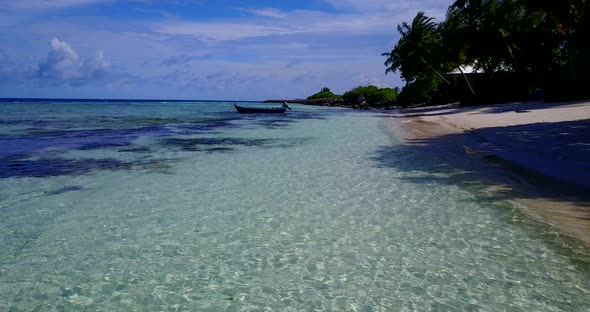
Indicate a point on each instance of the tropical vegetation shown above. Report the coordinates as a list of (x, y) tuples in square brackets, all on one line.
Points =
[(518, 46), (325, 93), (371, 95)]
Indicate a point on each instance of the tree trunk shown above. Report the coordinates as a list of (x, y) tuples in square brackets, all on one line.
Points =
[(439, 74), (467, 81)]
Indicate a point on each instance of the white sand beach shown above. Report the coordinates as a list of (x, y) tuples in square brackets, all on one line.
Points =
[(540, 151)]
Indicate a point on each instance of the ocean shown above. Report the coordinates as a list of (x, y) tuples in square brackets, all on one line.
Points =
[(190, 206)]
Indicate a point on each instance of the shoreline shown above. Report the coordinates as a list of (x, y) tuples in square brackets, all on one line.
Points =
[(535, 154), (390, 105)]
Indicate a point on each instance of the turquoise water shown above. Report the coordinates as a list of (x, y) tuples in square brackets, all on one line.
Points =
[(193, 207)]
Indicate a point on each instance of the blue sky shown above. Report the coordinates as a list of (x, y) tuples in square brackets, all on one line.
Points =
[(201, 49)]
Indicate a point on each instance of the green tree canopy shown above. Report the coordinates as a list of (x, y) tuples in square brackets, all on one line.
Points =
[(416, 53), (543, 42), (371, 94), (325, 93)]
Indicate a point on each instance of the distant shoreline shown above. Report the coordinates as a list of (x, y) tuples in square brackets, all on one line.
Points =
[(115, 100), (340, 103)]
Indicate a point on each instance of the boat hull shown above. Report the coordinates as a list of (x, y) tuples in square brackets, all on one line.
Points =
[(251, 110)]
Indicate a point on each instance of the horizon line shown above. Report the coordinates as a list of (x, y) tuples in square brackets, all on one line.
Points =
[(30, 99)]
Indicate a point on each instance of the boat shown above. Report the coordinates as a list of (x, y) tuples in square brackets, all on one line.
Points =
[(256, 110)]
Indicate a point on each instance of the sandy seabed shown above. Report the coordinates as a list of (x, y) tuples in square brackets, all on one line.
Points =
[(536, 154)]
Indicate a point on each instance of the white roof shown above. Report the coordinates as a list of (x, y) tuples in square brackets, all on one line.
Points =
[(468, 69)]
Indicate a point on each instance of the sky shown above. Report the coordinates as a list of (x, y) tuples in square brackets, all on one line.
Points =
[(200, 49)]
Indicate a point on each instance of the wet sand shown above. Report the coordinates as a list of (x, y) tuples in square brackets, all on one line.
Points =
[(534, 154)]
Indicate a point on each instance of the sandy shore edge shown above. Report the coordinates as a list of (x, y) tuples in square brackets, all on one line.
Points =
[(537, 155)]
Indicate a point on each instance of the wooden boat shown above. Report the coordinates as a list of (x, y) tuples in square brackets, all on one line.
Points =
[(255, 110)]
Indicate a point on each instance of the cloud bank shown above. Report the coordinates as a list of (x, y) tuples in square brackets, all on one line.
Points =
[(63, 65), (199, 49), (46, 4)]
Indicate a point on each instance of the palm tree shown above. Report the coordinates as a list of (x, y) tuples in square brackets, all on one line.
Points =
[(453, 52), (561, 21), (484, 29), (414, 55)]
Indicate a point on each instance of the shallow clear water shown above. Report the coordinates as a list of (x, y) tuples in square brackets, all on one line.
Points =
[(191, 206)]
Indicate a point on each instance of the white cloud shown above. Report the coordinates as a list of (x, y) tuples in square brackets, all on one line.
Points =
[(298, 22), (388, 5), (215, 79), (398, 11), (267, 12), (372, 17), (222, 31), (61, 63), (46, 4), (96, 66), (64, 64)]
